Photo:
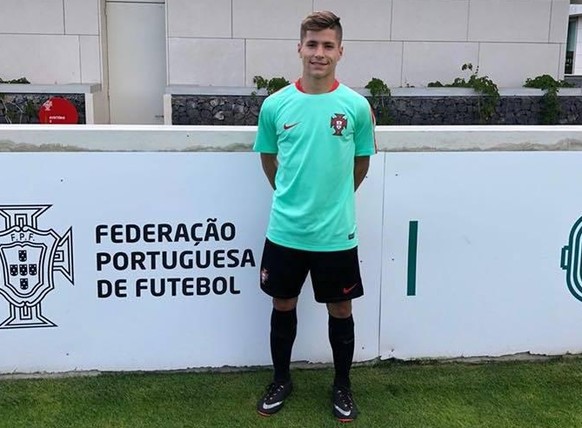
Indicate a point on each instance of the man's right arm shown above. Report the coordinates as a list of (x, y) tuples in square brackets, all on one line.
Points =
[(270, 164), (266, 140)]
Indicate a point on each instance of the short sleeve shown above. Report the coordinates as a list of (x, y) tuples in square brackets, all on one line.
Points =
[(364, 138), (266, 139)]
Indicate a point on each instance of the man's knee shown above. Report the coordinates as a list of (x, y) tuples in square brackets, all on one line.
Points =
[(340, 309), (284, 305)]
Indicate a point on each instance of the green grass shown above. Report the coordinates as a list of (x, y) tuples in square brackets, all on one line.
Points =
[(500, 394)]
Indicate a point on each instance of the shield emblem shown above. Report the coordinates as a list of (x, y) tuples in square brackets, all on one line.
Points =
[(24, 262), (25, 256), (338, 123), (29, 258)]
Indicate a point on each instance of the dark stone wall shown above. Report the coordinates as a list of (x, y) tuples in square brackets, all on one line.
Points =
[(215, 110), (449, 110), (24, 108), (465, 111), (574, 80)]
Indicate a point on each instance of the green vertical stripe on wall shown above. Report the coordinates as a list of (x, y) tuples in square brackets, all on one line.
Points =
[(412, 247)]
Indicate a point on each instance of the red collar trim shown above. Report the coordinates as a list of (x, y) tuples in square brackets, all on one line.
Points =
[(335, 85)]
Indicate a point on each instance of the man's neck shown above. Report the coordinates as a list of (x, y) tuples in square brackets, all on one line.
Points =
[(317, 86)]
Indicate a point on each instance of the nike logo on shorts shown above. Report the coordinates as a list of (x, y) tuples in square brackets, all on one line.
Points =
[(346, 290), (286, 127)]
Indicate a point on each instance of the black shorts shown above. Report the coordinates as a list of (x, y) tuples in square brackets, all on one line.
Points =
[(335, 275)]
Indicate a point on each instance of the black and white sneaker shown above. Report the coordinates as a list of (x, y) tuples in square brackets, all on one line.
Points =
[(274, 398), (344, 408)]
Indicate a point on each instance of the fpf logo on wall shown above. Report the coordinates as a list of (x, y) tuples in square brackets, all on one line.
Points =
[(29, 258), (571, 260)]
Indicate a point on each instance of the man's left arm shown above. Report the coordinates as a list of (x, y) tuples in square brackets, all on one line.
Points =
[(361, 165), (365, 141)]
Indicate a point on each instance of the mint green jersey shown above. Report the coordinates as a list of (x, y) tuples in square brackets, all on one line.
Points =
[(315, 138)]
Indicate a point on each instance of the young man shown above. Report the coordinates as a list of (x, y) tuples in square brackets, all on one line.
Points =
[(315, 138)]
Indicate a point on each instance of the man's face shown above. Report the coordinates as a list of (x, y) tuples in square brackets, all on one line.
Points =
[(320, 51)]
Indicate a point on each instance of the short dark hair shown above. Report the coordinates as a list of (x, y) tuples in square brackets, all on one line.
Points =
[(319, 21)]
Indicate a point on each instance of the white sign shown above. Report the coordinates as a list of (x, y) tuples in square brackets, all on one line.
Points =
[(149, 260), (141, 261), (490, 272)]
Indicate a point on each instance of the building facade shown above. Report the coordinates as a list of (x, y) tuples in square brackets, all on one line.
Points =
[(138, 49)]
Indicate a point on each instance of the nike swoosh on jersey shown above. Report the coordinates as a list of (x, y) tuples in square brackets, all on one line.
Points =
[(270, 406), (286, 127), (342, 411), (347, 290)]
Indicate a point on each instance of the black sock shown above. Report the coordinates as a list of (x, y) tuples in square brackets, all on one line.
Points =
[(341, 338), (283, 331)]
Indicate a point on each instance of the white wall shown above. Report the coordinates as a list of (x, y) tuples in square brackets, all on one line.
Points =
[(489, 278), (228, 42), (489, 252), (400, 41), (55, 42), (50, 41)]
